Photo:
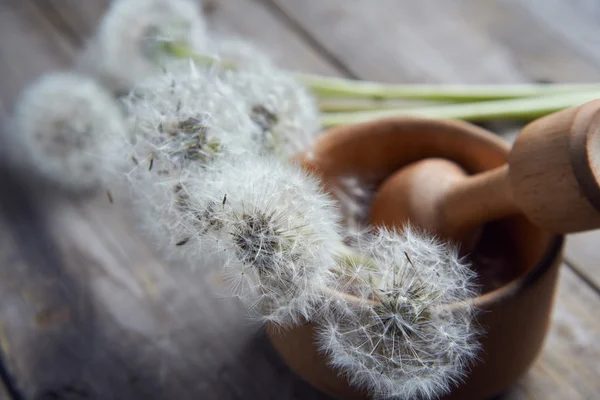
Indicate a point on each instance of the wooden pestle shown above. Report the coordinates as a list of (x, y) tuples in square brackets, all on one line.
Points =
[(552, 177)]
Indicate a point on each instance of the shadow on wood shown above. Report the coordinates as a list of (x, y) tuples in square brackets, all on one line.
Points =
[(87, 312)]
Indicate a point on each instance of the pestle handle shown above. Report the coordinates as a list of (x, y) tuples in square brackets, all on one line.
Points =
[(472, 201), (554, 170)]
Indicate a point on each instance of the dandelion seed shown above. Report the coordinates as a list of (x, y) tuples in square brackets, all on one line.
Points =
[(132, 34), (410, 330), (182, 242), (70, 130)]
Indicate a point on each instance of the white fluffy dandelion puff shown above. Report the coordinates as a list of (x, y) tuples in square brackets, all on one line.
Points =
[(286, 117), (69, 129), (409, 330), (184, 118), (181, 123), (129, 43), (276, 231)]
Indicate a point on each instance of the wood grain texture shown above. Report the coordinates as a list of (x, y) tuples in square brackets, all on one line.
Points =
[(574, 23), (568, 368), (583, 253), (4, 393), (79, 289), (433, 41), (404, 41), (26, 50)]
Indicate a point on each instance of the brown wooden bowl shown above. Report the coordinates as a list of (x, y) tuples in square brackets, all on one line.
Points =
[(517, 262)]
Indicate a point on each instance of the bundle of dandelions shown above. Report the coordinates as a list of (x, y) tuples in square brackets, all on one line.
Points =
[(68, 129), (407, 330), (182, 122), (144, 35)]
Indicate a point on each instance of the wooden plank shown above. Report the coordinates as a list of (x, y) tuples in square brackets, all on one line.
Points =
[(574, 22), (26, 50), (539, 50), (568, 367), (77, 19), (583, 252), (433, 41), (402, 41)]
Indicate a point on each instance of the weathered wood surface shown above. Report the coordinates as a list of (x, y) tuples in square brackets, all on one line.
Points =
[(87, 311)]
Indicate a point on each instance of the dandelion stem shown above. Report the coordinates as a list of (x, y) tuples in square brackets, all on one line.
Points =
[(345, 104), (525, 108), (323, 86), (349, 259), (339, 87), (182, 50)]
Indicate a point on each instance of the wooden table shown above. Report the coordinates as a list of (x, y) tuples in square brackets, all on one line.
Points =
[(88, 312)]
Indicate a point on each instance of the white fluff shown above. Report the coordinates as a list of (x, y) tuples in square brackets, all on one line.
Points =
[(275, 230), (69, 129), (125, 48), (181, 123), (183, 117), (286, 116), (409, 332)]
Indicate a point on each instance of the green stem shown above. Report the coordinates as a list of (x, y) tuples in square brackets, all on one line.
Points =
[(343, 104), (526, 108), (323, 86), (332, 87), (348, 258), (182, 50)]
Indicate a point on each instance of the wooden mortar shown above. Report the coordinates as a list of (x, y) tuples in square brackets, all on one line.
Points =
[(518, 262)]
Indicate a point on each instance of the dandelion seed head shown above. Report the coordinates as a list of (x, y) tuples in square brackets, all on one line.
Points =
[(285, 115), (275, 231), (127, 45), (69, 129), (182, 118), (410, 330)]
